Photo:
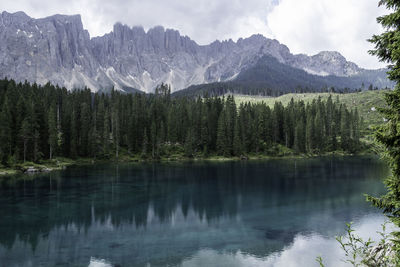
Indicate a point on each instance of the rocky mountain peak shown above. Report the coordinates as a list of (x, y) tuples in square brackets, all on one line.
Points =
[(60, 50), (11, 18), (331, 56), (66, 19)]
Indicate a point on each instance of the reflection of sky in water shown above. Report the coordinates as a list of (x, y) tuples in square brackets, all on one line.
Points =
[(301, 252), (230, 214), (105, 244)]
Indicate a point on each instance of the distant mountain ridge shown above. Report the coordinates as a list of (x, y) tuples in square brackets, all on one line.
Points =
[(58, 49)]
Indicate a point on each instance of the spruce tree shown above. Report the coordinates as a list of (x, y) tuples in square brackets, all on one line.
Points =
[(25, 134), (94, 124), (310, 133), (74, 136), (116, 131), (387, 49), (106, 134), (319, 131), (345, 131), (53, 133), (5, 133), (237, 143), (189, 143), (222, 136), (132, 134), (299, 138), (145, 144), (84, 133)]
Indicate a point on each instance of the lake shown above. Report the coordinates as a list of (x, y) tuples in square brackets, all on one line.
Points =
[(256, 213)]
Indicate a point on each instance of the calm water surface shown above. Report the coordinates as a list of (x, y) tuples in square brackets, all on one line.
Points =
[(266, 213)]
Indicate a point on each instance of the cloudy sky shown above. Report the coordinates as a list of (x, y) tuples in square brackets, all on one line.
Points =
[(306, 26)]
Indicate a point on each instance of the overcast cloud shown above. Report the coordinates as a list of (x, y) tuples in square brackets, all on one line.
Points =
[(306, 26)]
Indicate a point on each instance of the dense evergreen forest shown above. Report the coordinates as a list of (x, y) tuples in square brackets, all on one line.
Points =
[(43, 122), (268, 77), (259, 89)]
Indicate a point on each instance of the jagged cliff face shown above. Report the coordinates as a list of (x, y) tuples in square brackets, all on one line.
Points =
[(326, 63), (58, 49), (53, 49)]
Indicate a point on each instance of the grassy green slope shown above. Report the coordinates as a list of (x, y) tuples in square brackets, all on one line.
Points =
[(366, 102)]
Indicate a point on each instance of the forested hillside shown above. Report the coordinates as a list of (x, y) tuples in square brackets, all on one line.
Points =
[(368, 102), (269, 77), (43, 122)]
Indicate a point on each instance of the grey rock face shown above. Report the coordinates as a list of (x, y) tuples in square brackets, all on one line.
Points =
[(55, 49), (326, 63), (59, 50)]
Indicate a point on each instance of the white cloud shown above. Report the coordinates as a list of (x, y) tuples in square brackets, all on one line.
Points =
[(204, 21), (310, 26), (306, 26), (301, 252)]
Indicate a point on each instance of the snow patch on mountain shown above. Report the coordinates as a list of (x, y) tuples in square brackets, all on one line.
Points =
[(58, 49)]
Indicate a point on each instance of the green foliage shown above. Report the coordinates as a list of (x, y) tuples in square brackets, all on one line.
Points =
[(359, 252), (355, 248), (269, 77), (387, 49), (387, 252), (388, 136), (53, 133), (51, 121), (320, 261), (367, 102)]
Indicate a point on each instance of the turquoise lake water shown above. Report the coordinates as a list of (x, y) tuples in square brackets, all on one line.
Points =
[(256, 213)]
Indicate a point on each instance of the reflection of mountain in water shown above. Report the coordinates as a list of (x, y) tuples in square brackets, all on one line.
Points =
[(156, 212)]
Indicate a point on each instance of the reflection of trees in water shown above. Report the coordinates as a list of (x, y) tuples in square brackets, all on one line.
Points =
[(125, 194)]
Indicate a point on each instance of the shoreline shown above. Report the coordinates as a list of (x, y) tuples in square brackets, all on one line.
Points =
[(58, 164)]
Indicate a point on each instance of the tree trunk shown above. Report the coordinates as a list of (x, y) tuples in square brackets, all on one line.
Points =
[(24, 151)]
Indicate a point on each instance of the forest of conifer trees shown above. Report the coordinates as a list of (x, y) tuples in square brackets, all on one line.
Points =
[(44, 122)]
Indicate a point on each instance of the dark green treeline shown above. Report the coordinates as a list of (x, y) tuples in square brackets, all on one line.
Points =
[(42, 122)]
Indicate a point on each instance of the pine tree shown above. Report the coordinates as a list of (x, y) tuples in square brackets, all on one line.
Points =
[(94, 138), (106, 134), (230, 119), (278, 122), (355, 130), (319, 131), (85, 128), (310, 132), (97, 133), (299, 138), (189, 144), (237, 143), (259, 129), (345, 132), (222, 136), (268, 126), (79, 123), (5, 133), (387, 49), (53, 133), (34, 126), (74, 136), (37, 154), (132, 134), (115, 130), (25, 134), (205, 134), (154, 139), (145, 143)]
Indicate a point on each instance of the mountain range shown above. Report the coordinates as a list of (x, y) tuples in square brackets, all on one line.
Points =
[(59, 50)]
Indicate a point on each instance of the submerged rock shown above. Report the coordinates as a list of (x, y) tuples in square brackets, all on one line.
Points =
[(31, 170)]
